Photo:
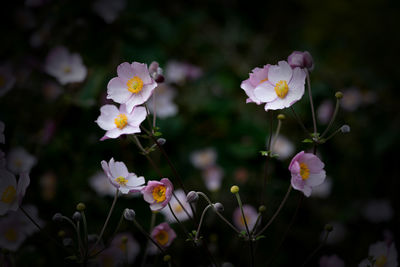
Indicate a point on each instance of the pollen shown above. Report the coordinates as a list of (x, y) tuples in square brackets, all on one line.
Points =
[(8, 195), (281, 89), (178, 208), (304, 171), (121, 121), (11, 235), (135, 85), (67, 69), (381, 261), (159, 193), (121, 180), (162, 237)]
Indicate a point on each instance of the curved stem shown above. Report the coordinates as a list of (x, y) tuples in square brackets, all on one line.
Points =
[(277, 211), (311, 102), (85, 233), (332, 119), (266, 161), (201, 221), (247, 228), (146, 250), (278, 129), (316, 249), (177, 220), (299, 121), (256, 224)]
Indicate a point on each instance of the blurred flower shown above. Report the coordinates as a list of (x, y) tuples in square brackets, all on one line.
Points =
[(163, 234), (325, 111), (156, 72), (204, 158), (66, 67), (51, 90), (331, 261), (19, 160), (162, 100), (48, 184), (212, 177), (307, 171), (257, 77), (177, 208), (39, 37), (109, 10), (99, 183), (120, 178), (337, 234), (180, 72), (323, 190), (352, 99), (241, 175), (158, 193), (15, 227), (133, 86), (382, 254), (283, 147), (378, 210), (47, 131), (118, 122), (283, 88), (7, 79), (2, 137), (301, 60), (123, 250), (250, 214), (11, 192)]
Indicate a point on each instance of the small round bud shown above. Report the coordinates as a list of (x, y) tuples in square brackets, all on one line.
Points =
[(129, 214), (77, 216), (192, 197), (339, 95), (262, 208), (61, 233), (124, 239), (80, 207), (235, 189), (281, 117), (345, 128), (161, 141), (57, 217), (328, 228), (219, 207), (167, 258)]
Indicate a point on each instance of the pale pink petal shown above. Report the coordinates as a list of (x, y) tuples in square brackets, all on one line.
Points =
[(130, 130), (280, 72), (125, 71), (118, 169), (137, 116), (114, 133), (135, 100), (141, 70), (265, 92), (307, 191), (117, 90), (316, 178), (23, 184)]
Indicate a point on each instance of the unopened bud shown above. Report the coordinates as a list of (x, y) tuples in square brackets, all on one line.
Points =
[(235, 189), (61, 233), (161, 141), (156, 72), (328, 228), (77, 216), (219, 207), (167, 258), (345, 128), (281, 117), (192, 197), (57, 217), (339, 95), (80, 207), (129, 214), (262, 208)]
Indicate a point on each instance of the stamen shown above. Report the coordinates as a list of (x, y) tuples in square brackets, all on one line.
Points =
[(135, 85)]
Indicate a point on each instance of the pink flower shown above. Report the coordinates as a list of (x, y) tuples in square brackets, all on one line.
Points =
[(257, 77), (383, 254), (118, 122), (11, 192), (301, 60), (307, 171), (212, 177), (158, 193), (179, 72), (66, 67), (284, 87), (325, 111), (163, 234), (120, 178), (133, 86), (250, 214), (331, 261)]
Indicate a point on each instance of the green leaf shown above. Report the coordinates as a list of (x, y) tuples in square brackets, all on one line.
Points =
[(260, 237), (308, 140)]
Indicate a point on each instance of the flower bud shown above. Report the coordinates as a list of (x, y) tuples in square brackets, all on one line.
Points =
[(77, 216), (167, 258), (301, 60), (57, 217), (80, 207), (161, 141), (339, 95), (156, 72), (219, 207), (345, 128), (281, 117), (262, 208), (61, 233), (129, 214), (328, 228), (234, 189), (192, 197)]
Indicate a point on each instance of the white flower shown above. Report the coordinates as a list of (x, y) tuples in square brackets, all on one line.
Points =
[(323, 190), (66, 67), (212, 177), (383, 254), (100, 183), (378, 210), (7, 79), (283, 147), (163, 96), (11, 192), (177, 208), (109, 10), (202, 159), (19, 161)]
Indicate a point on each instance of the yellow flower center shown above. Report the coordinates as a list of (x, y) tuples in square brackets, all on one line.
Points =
[(67, 69), (123, 246), (381, 261), (178, 208), (304, 171), (121, 180), (11, 235), (9, 194), (2, 80), (281, 89), (135, 85), (121, 121), (162, 237), (242, 220), (159, 193)]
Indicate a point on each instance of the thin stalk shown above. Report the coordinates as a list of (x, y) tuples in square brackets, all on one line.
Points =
[(333, 134), (79, 238), (85, 233), (180, 203), (316, 249), (277, 211), (332, 119), (266, 161), (299, 121), (201, 221), (154, 109), (177, 220), (311, 102), (146, 250), (148, 236), (256, 224), (148, 119), (278, 129)]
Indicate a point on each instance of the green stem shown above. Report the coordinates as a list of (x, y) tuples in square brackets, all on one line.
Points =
[(256, 224), (299, 121), (333, 134), (311, 102), (332, 119), (201, 222), (278, 129), (85, 232), (177, 220), (146, 250)]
